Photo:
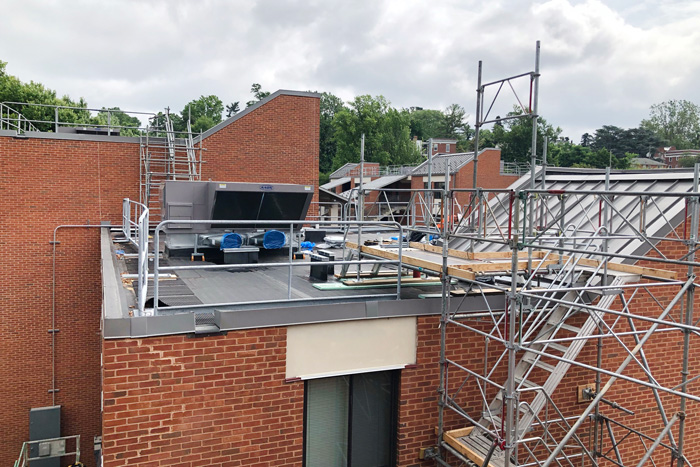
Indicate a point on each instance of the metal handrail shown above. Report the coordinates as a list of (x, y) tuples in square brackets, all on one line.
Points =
[(136, 231), (12, 116), (23, 459), (56, 122), (326, 204), (157, 269)]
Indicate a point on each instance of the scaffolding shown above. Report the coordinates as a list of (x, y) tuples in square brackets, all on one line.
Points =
[(598, 274), (608, 265), (166, 154)]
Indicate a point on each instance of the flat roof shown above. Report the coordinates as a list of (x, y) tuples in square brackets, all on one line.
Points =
[(258, 297)]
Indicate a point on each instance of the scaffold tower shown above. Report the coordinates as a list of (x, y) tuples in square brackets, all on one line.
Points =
[(167, 154)]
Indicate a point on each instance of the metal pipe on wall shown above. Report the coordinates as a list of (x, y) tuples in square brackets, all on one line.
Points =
[(53, 329)]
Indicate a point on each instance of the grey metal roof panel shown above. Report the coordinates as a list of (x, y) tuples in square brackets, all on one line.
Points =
[(334, 183), (456, 161), (344, 170), (647, 161), (582, 209), (332, 194), (381, 182)]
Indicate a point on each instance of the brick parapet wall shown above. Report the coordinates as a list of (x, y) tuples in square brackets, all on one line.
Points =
[(47, 182), (276, 143), (43, 184)]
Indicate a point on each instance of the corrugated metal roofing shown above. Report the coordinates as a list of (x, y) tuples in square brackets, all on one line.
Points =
[(334, 183), (381, 182), (344, 170), (457, 161), (331, 194), (582, 209), (646, 161)]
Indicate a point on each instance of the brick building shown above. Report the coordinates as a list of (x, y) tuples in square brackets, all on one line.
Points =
[(51, 181), (327, 379), (267, 367), (461, 168)]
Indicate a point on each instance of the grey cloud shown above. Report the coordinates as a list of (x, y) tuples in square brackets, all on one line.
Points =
[(601, 63)]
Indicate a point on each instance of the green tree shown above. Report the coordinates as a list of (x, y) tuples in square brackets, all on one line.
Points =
[(114, 117), (259, 95), (454, 122), (514, 137), (639, 141), (330, 105), (12, 89), (567, 154), (688, 161), (426, 123), (387, 133), (232, 109), (203, 113), (586, 140), (675, 121), (450, 123)]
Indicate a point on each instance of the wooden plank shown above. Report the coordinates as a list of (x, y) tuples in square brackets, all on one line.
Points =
[(459, 432), (499, 266), (468, 255), (468, 271), (461, 273), (389, 254), (438, 250), (406, 280), (451, 438), (503, 265), (632, 269)]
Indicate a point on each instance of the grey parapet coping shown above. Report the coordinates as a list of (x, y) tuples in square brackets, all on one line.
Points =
[(280, 316)]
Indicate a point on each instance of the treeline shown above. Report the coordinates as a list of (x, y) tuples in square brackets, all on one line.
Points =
[(203, 113), (390, 133), (12, 89)]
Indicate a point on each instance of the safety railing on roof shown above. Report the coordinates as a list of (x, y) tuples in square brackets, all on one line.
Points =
[(11, 119), (517, 168), (290, 264), (396, 170), (135, 228), (413, 208), (327, 211), (27, 116), (51, 448)]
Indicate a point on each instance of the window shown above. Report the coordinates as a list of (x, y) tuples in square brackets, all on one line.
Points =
[(436, 186), (447, 147), (351, 420)]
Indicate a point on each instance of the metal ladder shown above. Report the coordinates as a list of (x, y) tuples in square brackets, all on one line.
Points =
[(165, 157), (549, 324)]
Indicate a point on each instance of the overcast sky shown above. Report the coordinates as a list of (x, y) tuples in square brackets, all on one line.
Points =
[(601, 62)]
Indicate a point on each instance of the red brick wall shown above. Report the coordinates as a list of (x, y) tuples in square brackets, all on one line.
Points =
[(48, 182), (489, 176), (275, 143), (174, 399), (208, 401), (43, 184)]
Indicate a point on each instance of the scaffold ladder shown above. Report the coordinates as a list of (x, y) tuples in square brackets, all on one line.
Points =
[(549, 323), (164, 156)]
